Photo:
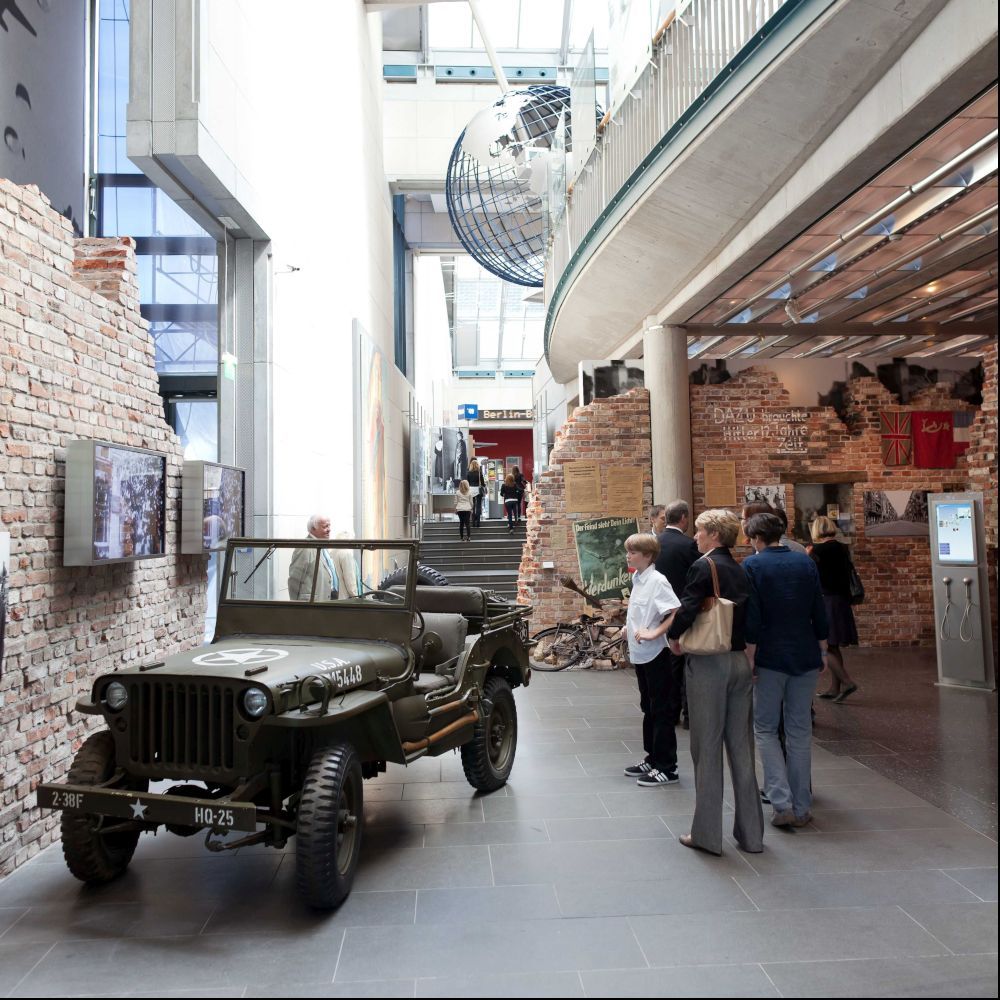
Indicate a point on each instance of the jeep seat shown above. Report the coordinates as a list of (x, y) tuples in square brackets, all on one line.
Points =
[(467, 601), (442, 643)]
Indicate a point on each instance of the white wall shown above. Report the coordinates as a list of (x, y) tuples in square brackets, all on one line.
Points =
[(423, 120), (431, 340), (297, 101)]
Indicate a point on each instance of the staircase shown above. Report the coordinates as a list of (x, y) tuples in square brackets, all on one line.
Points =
[(490, 560)]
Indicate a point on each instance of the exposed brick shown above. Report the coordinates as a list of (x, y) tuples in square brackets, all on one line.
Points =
[(76, 361)]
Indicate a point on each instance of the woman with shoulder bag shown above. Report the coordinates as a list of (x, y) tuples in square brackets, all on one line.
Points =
[(833, 559), (475, 480), (709, 627)]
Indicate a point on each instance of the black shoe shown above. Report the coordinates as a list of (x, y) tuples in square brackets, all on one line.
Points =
[(829, 695), (843, 696), (638, 770), (654, 778)]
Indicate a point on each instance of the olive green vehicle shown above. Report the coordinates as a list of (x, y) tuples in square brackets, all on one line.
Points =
[(328, 662)]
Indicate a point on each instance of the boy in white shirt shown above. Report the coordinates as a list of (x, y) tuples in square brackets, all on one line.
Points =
[(650, 612)]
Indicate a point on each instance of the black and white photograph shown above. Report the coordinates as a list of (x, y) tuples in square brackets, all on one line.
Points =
[(222, 509), (450, 462), (774, 495), (129, 503), (895, 513), (603, 379)]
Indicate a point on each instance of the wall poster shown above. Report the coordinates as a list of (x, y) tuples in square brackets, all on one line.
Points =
[(774, 495), (600, 549), (720, 484), (583, 487), (449, 459), (625, 491), (371, 499), (893, 513)]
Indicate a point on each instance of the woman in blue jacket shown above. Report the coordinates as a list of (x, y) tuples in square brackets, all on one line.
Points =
[(786, 640)]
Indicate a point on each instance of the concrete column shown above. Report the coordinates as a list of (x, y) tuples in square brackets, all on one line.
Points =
[(664, 351)]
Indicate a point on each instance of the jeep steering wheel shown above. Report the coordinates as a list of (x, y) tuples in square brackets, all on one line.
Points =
[(418, 626), (391, 594)]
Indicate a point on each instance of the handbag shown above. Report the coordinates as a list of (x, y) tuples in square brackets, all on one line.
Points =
[(857, 588), (712, 630)]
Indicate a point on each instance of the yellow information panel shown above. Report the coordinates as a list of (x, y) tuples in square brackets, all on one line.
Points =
[(720, 484), (583, 487), (625, 491)]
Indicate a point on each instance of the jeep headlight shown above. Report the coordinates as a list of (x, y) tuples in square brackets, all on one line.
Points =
[(254, 703), (116, 695)]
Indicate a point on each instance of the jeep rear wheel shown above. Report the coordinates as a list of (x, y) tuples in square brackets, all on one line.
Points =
[(488, 757), (330, 816), (93, 855)]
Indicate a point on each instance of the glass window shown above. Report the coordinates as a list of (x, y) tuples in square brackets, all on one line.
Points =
[(185, 346), (449, 25), (112, 82), (196, 422), (144, 211), (184, 279), (541, 25)]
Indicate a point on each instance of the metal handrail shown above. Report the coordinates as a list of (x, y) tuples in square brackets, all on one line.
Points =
[(691, 52)]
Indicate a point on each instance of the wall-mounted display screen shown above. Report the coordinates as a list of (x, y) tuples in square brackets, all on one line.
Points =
[(116, 500), (212, 506), (955, 533)]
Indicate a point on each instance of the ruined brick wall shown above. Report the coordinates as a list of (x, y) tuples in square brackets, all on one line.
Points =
[(610, 431), (898, 610), (76, 361)]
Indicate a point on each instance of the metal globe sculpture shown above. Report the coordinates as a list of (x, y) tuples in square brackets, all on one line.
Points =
[(498, 179)]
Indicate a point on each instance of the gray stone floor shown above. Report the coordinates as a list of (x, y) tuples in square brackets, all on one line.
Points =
[(569, 882)]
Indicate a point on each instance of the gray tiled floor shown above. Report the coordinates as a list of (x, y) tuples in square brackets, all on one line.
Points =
[(569, 882)]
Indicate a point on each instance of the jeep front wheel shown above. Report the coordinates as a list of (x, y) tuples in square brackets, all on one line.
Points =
[(328, 835), (488, 757), (91, 854)]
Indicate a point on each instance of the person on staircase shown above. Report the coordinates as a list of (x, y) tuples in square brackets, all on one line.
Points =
[(476, 484), (511, 500), (463, 507)]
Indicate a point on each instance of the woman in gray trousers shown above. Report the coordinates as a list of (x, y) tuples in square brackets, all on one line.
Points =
[(720, 694)]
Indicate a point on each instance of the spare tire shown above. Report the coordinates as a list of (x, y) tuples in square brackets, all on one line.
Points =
[(427, 576)]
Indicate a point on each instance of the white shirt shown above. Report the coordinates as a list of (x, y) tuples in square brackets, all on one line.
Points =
[(651, 600)]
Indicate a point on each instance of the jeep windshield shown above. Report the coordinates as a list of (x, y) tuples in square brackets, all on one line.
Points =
[(312, 571)]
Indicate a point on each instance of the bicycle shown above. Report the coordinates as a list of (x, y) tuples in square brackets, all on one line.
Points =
[(589, 637)]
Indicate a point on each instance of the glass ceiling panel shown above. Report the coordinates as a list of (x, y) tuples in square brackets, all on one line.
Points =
[(541, 24), (449, 25), (500, 18)]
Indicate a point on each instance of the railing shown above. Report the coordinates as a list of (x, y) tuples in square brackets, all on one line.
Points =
[(694, 49)]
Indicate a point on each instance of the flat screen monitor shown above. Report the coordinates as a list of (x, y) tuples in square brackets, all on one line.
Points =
[(212, 506), (955, 533), (116, 502)]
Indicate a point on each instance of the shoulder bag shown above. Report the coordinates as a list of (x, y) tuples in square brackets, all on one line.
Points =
[(857, 588), (712, 631)]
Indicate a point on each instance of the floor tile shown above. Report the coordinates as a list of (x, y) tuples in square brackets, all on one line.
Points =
[(698, 981), (944, 976), (538, 984), (965, 928), (619, 828), (538, 807), (981, 881), (787, 892), (426, 868), (437, 950), (703, 891), (485, 906), (788, 935), (490, 832)]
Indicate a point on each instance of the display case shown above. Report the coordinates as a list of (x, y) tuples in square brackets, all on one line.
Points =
[(115, 504)]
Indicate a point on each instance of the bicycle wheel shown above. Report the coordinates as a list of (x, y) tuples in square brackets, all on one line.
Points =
[(556, 648)]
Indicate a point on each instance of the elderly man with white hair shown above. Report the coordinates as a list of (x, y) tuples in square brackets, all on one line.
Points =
[(300, 572)]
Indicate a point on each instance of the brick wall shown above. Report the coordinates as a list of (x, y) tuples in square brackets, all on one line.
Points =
[(611, 431), (898, 610), (76, 361)]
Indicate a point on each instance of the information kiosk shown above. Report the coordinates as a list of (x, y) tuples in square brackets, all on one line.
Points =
[(961, 590)]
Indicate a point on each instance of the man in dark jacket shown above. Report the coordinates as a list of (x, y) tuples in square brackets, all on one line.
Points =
[(787, 623), (677, 552)]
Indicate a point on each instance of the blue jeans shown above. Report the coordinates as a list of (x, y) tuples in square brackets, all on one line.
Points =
[(787, 776)]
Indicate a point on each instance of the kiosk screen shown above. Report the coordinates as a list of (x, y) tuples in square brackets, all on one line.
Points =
[(956, 533)]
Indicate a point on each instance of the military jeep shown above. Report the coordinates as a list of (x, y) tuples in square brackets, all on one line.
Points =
[(328, 662)]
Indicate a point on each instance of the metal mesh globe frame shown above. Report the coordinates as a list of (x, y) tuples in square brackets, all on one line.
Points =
[(506, 236)]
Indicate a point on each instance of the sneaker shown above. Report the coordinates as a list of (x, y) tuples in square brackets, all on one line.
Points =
[(763, 798), (783, 819), (654, 778), (638, 770), (803, 820)]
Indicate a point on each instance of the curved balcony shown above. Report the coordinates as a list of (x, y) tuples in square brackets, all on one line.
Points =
[(736, 99)]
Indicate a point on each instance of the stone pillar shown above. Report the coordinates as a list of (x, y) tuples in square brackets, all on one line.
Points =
[(664, 350)]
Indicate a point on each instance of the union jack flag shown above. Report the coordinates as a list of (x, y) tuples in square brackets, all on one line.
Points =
[(897, 439)]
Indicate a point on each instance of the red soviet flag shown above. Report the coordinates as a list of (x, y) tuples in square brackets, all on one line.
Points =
[(933, 445)]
